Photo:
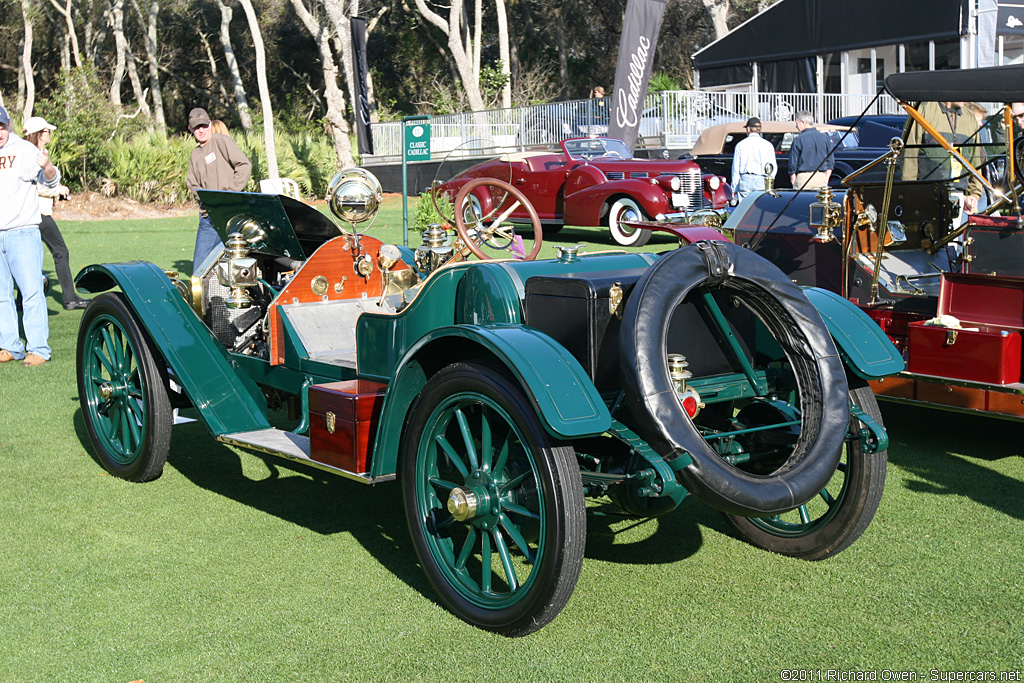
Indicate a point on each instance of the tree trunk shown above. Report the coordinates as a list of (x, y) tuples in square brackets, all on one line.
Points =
[(26, 60), (343, 41), (336, 121), (563, 50), (370, 96), (461, 53), (149, 21), (241, 101), (137, 89), (65, 42), (214, 73), (66, 13), (261, 79), (116, 13), (504, 54), (718, 10)]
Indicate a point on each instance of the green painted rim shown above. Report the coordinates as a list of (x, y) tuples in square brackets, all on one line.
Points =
[(493, 559), (113, 390), (809, 517)]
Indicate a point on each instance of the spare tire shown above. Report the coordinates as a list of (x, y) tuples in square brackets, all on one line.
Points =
[(798, 328)]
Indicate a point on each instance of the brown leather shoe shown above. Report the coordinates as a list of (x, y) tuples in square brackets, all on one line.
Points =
[(32, 359), (6, 356)]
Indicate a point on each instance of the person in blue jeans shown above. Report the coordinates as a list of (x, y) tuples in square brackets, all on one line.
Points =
[(215, 164), (22, 167)]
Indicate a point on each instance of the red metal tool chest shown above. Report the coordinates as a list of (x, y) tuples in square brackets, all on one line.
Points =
[(992, 308)]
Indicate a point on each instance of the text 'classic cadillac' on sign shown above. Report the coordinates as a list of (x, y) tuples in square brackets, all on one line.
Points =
[(499, 392), (598, 182)]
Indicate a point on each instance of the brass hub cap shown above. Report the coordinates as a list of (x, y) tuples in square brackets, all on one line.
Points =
[(462, 503), (106, 391)]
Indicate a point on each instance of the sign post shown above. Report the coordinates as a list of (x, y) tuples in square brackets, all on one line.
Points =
[(415, 147)]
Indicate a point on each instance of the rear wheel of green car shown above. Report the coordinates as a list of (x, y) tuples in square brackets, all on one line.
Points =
[(495, 505), (122, 391), (842, 510)]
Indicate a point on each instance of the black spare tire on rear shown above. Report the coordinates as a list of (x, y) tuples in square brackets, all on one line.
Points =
[(798, 328)]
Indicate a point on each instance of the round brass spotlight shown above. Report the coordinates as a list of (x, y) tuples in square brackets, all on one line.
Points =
[(252, 230), (355, 196)]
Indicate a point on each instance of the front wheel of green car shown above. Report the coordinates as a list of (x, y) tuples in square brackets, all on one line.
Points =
[(495, 505), (122, 391), (839, 514)]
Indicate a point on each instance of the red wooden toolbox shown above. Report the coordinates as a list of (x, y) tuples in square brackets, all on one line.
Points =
[(343, 422), (992, 352)]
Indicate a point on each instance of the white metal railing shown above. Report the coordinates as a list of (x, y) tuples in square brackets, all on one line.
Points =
[(672, 118)]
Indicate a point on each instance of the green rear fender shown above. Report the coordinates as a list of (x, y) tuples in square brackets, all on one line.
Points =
[(863, 346), (565, 399), (228, 401)]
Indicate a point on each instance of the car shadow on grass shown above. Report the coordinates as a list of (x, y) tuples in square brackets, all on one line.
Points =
[(614, 536), (947, 451), (323, 503)]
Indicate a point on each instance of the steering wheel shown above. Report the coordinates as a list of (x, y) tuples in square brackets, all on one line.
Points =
[(495, 234)]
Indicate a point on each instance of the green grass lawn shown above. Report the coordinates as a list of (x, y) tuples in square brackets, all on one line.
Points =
[(237, 567)]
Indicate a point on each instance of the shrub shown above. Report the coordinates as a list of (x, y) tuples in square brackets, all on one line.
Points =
[(427, 213), (85, 122), (306, 158), (149, 168)]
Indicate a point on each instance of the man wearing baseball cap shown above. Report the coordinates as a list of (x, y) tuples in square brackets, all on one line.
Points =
[(753, 159), (22, 167), (215, 164)]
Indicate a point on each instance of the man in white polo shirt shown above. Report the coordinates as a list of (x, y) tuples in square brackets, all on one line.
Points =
[(22, 167)]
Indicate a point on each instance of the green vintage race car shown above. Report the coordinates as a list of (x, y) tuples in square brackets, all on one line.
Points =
[(499, 392)]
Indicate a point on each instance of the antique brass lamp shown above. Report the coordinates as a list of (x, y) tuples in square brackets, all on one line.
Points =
[(825, 215)]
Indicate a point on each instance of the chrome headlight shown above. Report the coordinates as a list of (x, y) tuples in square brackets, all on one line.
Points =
[(355, 196)]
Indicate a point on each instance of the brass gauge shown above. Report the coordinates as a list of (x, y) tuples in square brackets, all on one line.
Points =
[(319, 285)]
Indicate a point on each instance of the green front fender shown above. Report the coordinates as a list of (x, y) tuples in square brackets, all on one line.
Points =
[(862, 344), (560, 389), (227, 400)]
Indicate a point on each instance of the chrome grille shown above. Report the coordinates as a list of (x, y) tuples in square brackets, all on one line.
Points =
[(691, 184), (615, 175)]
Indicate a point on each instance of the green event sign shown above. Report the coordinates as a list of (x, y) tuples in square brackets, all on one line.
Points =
[(415, 147), (417, 140)]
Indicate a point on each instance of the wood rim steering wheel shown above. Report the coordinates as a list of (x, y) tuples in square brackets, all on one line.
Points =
[(495, 230)]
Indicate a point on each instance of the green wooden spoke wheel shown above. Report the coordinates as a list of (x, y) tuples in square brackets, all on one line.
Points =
[(842, 510), (495, 506), (122, 391)]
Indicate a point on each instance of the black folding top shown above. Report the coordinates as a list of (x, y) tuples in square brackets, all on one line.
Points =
[(993, 84)]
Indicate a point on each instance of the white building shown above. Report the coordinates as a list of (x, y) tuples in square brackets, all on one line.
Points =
[(843, 47)]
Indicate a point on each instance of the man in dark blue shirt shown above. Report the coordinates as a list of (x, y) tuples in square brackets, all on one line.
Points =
[(809, 148)]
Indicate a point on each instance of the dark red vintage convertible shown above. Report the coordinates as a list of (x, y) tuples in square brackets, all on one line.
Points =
[(594, 181)]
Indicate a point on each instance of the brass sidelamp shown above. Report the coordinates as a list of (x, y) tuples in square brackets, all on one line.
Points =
[(825, 215)]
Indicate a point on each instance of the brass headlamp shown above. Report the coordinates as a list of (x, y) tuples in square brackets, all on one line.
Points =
[(237, 271), (825, 215)]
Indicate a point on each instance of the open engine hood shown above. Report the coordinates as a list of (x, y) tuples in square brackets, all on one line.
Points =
[(289, 227)]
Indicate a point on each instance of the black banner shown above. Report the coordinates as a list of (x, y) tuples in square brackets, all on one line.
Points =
[(1010, 20), (636, 56), (361, 107)]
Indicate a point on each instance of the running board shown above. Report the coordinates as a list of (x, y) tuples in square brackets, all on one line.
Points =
[(294, 447)]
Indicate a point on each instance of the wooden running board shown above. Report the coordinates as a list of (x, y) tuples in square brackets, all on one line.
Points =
[(294, 447)]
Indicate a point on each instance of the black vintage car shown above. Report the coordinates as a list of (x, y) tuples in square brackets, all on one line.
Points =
[(946, 285)]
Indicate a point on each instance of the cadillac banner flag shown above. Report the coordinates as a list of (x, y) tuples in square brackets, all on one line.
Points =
[(360, 69), (636, 53)]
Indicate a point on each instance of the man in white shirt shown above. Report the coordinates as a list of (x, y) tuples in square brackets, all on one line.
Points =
[(22, 167), (750, 159)]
